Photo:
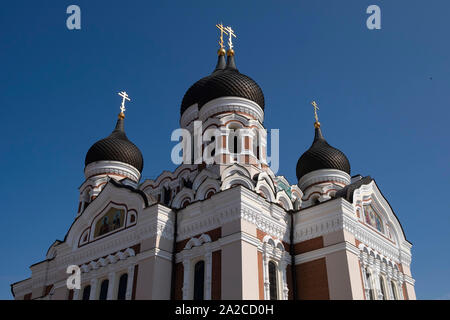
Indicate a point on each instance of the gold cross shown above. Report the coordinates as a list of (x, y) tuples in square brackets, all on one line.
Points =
[(230, 35), (124, 96), (315, 110), (222, 31)]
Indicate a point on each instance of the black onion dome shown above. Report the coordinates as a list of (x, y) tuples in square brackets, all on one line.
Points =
[(224, 81), (116, 147), (321, 156)]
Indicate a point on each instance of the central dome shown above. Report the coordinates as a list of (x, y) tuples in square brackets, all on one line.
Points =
[(225, 81)]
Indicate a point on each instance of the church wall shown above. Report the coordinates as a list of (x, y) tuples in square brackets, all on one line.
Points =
[(162, 277), (232, 271), (145, 278), (312, 281), (410, 292), (60, 293), (249, 276)]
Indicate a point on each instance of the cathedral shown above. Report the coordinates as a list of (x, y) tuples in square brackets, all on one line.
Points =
[(230, 228)]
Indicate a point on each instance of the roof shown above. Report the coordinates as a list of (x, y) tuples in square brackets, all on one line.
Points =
[(225, 81)]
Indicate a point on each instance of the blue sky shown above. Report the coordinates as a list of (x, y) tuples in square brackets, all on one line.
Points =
[(383, 97)]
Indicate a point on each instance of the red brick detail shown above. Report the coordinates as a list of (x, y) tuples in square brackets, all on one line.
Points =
[(135, 277), (216, 277), (312, 280), (27, 296), (405, 292), (247, 143), (214, 234), (179, 270), (308, 245), (260, 276)]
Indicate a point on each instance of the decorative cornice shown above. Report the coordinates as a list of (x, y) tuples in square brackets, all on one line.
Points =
[(113, 168), (231, 104), (323, 175)]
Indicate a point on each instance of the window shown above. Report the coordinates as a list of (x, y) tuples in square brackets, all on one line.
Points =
[(383, 289), (394, 290), (199, 280), (103, 290), (86, 293), (121, 294), (369, 286), (273, 281)]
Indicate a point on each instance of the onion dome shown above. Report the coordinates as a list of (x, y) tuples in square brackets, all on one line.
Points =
[(116, 147), (321, 156), (225, 81)]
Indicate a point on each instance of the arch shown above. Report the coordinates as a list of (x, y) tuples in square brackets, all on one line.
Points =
[(201, 177), (237, 179), (207, 185), (196, 242), (284, 200), (184, 194)]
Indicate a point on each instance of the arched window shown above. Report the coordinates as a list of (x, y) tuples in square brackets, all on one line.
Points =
[(273, 281), (103, 290), (86, 293), (199, 280), (394, 290), (369, 286), (121, 293), (383, 288), (213, 151)]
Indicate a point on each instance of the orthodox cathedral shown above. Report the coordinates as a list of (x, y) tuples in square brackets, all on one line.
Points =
[(227, 229)]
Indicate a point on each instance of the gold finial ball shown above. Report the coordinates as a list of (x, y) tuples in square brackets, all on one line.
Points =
[(121, 116), (317, 124), (221, 52), (230, 52)]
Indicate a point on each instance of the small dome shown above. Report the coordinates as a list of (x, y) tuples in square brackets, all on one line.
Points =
[(223, 82), (116, 147), (321, 156)]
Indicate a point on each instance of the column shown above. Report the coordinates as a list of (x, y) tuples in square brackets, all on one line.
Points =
[(130, 281), (93, 295), (282, 265), (76, 293), (111, 285), (186, 278), (266, 275), (208, 265)]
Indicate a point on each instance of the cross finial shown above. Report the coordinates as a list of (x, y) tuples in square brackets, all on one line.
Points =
[(317, 123), (231, 34), (124, 96), (222, 31)]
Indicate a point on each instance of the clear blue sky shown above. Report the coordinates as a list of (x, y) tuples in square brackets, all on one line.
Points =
[(384, 98)]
